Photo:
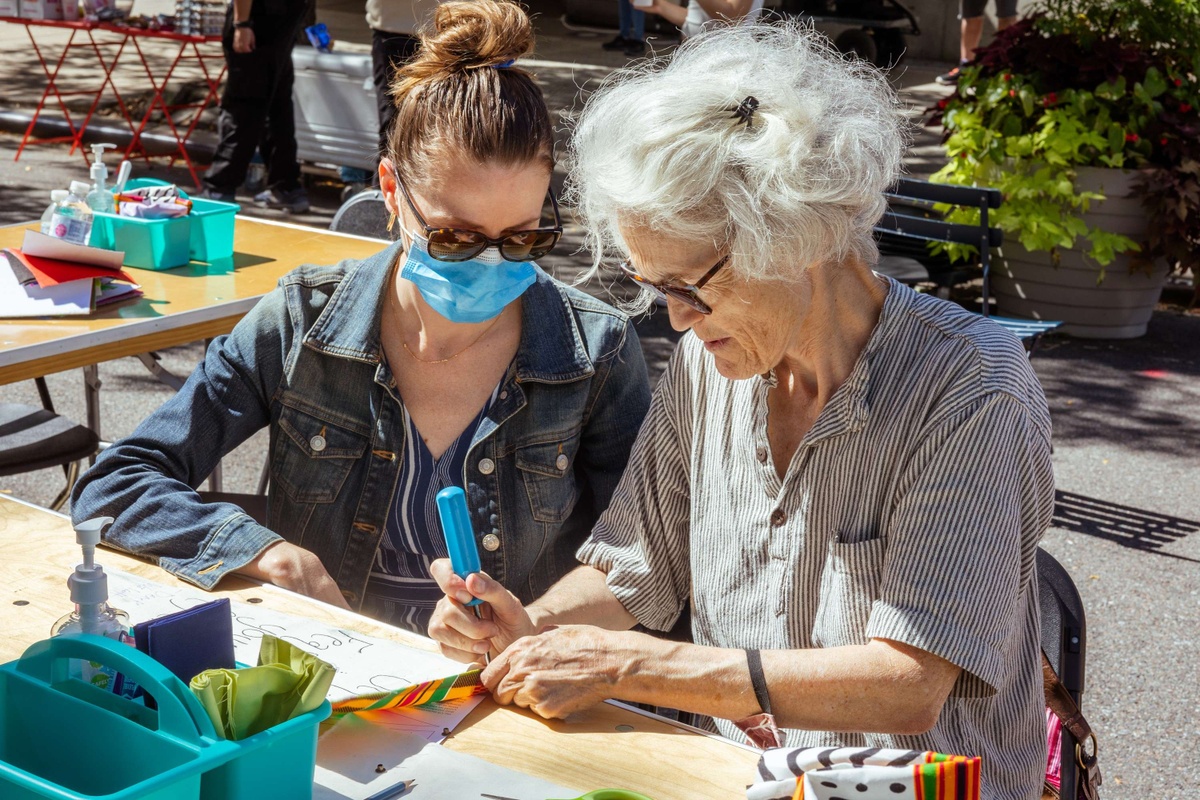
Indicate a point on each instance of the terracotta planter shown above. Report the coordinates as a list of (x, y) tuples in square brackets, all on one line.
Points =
[(1027, 285)]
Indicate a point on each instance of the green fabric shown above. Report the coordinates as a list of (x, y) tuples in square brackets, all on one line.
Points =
[(286, 683)]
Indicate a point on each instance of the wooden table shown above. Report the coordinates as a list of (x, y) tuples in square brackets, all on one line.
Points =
[(607, 746), (180, 305)]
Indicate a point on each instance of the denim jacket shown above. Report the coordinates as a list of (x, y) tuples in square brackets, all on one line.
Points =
[(306, 362)]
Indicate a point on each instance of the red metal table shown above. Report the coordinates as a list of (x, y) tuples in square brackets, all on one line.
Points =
[(95, 38)]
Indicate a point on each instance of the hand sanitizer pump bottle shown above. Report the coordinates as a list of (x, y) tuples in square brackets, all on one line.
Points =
[(92, 614), (100, 198)]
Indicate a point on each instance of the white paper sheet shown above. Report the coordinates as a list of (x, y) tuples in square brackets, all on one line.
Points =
[(73, 298), (438, 773), (39, 244), (364, 663)]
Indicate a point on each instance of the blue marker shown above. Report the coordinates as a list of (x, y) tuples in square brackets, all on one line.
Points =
[(460, 539)]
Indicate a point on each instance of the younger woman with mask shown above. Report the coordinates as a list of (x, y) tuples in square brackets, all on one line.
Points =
[(447, 359)]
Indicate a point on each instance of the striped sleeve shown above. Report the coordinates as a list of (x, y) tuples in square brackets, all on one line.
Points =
[(641, 540), (954, 558)]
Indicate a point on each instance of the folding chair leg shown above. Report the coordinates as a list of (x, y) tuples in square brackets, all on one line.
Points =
[(65, 494)]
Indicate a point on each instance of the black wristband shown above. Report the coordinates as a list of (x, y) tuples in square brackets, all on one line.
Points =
[(758, 680), (244, 24)]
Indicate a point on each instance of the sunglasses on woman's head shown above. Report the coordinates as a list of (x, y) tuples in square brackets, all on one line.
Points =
[(462, 244), (689, 295)]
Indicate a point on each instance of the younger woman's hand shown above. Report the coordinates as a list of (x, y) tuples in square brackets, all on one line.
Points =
[(454, 626), (291, 567)]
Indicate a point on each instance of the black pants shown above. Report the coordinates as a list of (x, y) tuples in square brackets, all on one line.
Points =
[(256, 113), (388, 51)]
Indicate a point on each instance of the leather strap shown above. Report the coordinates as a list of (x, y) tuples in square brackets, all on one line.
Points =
[(758, 680), (1060, 701)]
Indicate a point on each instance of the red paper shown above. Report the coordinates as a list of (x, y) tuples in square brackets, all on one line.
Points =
[(51, 271)]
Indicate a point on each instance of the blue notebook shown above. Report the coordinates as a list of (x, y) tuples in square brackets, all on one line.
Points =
[(190, 641)]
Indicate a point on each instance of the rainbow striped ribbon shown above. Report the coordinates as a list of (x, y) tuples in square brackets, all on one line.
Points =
[(455, 687)]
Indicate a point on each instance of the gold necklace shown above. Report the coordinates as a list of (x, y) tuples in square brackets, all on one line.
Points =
[(474, 342)]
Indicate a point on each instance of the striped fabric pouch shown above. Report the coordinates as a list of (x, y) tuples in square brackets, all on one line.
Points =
[(821, 773)]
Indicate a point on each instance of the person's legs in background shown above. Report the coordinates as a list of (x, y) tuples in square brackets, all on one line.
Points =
[(970, 12), (240, 120), (279, 140), (389, 51), (631, 38)]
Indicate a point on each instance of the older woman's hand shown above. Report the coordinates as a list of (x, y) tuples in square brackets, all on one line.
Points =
[(454, 626), (560, 671)]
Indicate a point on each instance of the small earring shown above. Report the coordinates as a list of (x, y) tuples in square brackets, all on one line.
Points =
[(391, 221)]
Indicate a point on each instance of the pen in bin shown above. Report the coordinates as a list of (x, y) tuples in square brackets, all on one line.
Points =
[(460, 539)]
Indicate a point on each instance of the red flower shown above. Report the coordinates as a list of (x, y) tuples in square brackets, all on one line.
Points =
[(1179, 81), (1184, 108), (1007, 77), (943, 103), (1050, 99), (1163, 141), (1012, 92), (1131, 137)]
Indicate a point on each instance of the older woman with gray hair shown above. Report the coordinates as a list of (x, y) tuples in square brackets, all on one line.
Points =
[(847, 479)]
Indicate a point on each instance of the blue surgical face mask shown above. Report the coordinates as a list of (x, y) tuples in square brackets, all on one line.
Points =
[(466, 291)]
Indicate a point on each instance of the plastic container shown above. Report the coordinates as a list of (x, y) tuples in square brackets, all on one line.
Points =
[(148, 243), (56, 197), (211, 235), (72, 220), (64, 739), (212, 229)]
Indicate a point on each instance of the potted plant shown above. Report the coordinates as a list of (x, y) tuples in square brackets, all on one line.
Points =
[(1086, 115)]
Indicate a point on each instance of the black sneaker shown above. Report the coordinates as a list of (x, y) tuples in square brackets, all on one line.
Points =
[(617, 43), (223, 197), (295, 201), (634, 49), (949, 78)]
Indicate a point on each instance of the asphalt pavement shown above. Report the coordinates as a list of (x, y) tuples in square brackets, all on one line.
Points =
[(1126, 439)]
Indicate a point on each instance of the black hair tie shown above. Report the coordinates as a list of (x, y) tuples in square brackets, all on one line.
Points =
[(743, 112)]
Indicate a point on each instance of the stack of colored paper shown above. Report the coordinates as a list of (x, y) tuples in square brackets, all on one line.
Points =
[(48, 277)]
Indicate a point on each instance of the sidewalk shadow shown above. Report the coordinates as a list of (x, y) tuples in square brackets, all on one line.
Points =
[(1125, 525)]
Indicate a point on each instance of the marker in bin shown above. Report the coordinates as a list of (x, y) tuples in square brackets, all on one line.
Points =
[(460, 539)]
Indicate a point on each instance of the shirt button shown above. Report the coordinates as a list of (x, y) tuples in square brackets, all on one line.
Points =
[(491, 543), (317, 443), (762, 455), (561, 462), (487, 466), (778, 517), (504, 395)]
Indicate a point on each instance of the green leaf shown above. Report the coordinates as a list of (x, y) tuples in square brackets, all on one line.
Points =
[(1116, 138), (1154, 82), (1026, 96)]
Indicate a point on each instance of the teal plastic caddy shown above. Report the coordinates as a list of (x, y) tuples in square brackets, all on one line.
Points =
[(148, 243), (210, 226), (63, 739)]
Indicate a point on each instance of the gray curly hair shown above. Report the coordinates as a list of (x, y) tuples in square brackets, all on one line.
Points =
[(658, 145)]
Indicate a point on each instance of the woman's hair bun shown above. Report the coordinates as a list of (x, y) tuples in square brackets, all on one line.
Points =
[(469, 34)]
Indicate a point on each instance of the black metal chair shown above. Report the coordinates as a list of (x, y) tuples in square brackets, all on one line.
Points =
[(364, 214), (1064, 641), (33, 438), (911, 222)]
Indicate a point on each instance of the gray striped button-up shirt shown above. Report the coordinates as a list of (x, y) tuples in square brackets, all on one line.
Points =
[(911, 511)]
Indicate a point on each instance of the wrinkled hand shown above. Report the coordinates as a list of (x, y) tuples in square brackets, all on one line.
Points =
[(284, 564), (563, 670), (243, 40), (454, 626)]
